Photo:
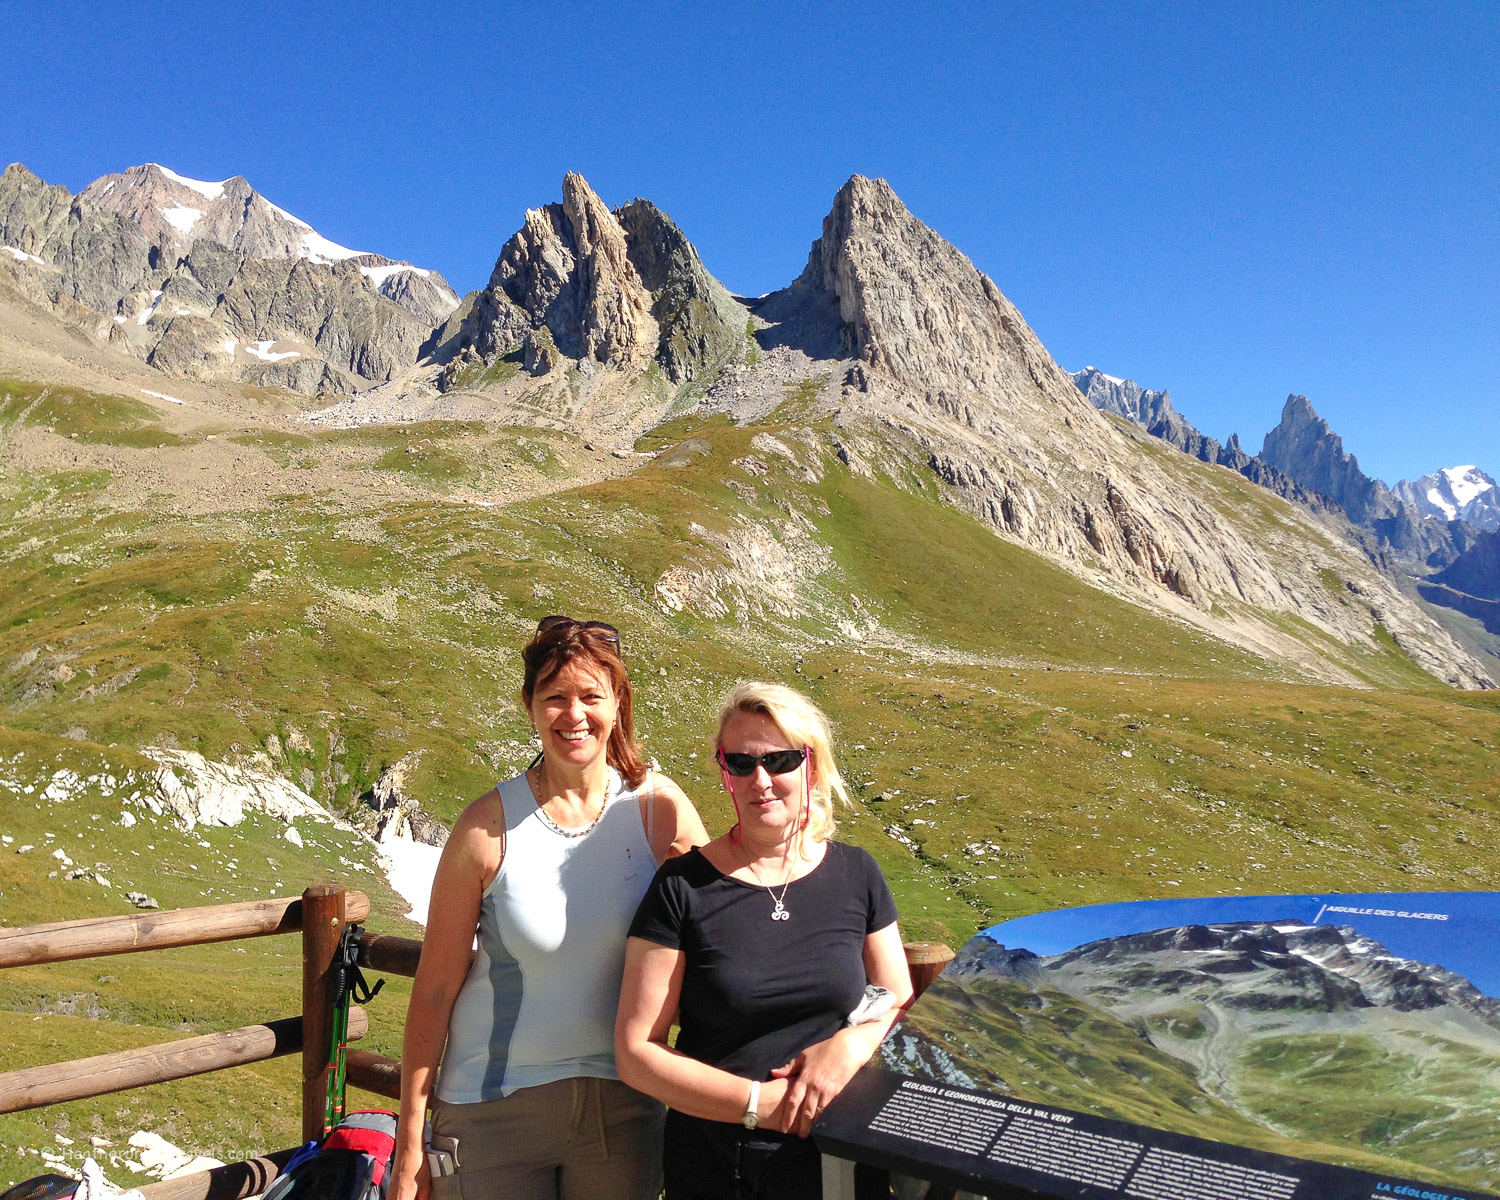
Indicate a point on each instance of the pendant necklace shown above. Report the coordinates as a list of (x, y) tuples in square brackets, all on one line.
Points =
[(780, 912)]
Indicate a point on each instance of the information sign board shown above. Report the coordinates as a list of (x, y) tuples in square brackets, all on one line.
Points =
[(1334, 1047)]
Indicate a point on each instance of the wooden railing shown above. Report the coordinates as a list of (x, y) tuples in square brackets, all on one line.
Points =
[(319, 915)]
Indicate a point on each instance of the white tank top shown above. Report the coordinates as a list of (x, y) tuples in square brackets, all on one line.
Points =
[(540, 998)]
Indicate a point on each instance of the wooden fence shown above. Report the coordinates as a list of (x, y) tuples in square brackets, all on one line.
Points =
[(319, 915)]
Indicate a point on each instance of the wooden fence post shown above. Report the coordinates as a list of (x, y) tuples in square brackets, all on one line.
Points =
[(322, 927), (925, 961)]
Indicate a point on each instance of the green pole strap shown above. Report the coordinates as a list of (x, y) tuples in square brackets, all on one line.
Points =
[(349, 985)]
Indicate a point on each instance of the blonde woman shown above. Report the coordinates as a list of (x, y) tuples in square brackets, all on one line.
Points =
[(761, 945)]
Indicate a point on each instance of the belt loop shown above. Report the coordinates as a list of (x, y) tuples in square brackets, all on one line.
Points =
[(575, 1120)]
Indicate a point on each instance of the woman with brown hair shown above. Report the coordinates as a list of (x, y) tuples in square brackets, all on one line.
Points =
[(548, 868)]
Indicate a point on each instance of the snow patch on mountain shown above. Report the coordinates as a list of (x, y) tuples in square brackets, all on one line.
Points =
[(262, 350), (209, 191), (182, 218), (378, 275), (319, 249), (1463, 493), (1466, 482), (410, 867)]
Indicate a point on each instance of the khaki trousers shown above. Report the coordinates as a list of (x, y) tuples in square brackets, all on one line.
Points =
[(574, 1139)]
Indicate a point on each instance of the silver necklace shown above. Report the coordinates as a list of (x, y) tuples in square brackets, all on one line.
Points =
[(779, 913), (541, 811)]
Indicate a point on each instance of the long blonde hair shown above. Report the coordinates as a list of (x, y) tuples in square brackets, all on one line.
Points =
[(803, 724)]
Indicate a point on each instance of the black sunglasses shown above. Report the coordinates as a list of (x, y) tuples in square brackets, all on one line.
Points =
[(777, 762), (558, 622)]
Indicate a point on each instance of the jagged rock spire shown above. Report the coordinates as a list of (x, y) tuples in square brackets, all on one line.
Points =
[(622, 288)]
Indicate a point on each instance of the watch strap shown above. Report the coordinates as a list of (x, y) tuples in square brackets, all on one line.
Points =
[(751, 1118)]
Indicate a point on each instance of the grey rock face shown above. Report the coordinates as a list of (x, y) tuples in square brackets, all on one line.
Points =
[(943, 359), (1151, 410), (98, 255), (1305, 448), (569, 268), (176, 213), (391, 812), (211, 280), (702, 326), (622, 288)]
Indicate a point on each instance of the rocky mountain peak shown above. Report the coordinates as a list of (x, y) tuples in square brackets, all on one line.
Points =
[(1150, 409), (623, 288), (1462, 493), (568, 270), (177, 213), (1304, 447), (949, 366), (909, 302)]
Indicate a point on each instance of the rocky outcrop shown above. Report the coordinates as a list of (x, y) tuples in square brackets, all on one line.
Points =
[(943, 359), (569, 269), (201, 792), (701, 325), (1306, 449), (623, 289), (96, 255), (391, 811), (1151, 410), (1303, 447)]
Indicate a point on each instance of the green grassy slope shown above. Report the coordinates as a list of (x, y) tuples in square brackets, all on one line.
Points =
[(1015, 740)]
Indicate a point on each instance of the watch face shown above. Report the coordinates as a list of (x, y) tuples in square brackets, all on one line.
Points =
[(751, 1120)]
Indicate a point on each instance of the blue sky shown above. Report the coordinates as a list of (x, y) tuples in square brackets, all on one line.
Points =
[(1232, 201)]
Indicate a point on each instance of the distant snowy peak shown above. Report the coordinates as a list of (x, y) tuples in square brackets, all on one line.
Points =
[(1455, 493), (175, 211), (1122, 397)]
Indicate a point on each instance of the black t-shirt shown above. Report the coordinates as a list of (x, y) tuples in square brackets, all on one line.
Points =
[(756, 992)]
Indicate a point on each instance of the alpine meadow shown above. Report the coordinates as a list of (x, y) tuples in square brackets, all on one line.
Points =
[(278, 516)]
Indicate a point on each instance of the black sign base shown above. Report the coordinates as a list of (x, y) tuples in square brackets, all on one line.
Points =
[(1002, 1147)]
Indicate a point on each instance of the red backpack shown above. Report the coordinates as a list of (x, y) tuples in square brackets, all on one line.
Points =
[(352, 1163)]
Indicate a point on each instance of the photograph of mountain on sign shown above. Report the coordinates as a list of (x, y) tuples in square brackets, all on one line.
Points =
[(1319, 1028), (1089, 406)]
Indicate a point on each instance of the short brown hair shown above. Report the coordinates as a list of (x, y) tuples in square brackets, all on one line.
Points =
[(551, 649)]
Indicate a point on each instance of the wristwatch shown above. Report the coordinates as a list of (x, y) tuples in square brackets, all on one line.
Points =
[(751, 1119)]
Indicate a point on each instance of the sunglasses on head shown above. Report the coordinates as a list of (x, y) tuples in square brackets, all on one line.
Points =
[(777, 762), (561, 624)]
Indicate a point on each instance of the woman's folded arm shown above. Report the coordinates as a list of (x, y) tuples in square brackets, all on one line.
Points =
[(648, 1004)]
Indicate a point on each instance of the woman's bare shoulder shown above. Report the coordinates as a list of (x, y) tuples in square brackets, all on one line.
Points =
[(677, 822), (477, 842), (485, 815)]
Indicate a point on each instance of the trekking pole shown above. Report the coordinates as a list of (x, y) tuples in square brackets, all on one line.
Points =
[(349, 987)]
